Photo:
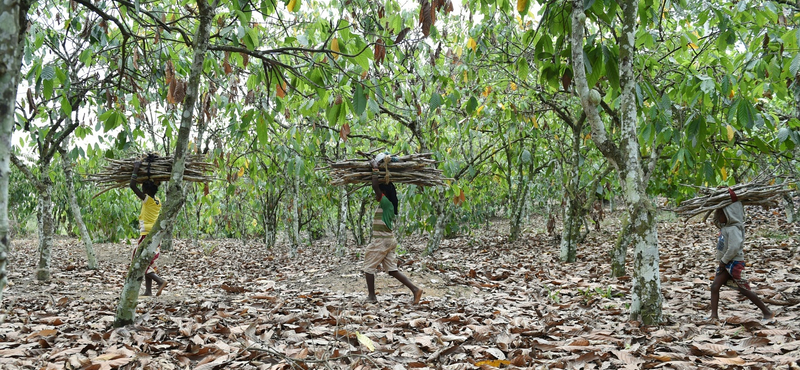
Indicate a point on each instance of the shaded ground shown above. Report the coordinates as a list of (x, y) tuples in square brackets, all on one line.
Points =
[(487, 302)]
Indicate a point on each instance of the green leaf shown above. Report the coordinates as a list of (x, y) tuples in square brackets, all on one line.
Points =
[(745, 114), (472, 104), (359, 100), (793, 69), (436, 101), (783, 134), (66, 107), (522, 69), (48, 73), (333, 113), (526, 156)]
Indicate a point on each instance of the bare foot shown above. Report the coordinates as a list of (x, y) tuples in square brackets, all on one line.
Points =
[(768, 317), (417, 296), (160, 288), (372, 299)]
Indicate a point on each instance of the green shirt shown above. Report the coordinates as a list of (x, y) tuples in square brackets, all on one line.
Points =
[(384, 219)]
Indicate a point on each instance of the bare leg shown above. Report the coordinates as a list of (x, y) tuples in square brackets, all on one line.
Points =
[(417, 292), (371, 288), (148, 284), (768, 315), (719, 281)]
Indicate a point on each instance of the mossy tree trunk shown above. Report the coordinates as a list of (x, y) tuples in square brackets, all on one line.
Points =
[(126, 308), (624, 155), (13, 18)]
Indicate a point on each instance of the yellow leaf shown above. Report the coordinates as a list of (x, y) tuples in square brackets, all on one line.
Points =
[(459, 51), (521, 5), (503, 107), (293, 5), (731, 94), (513, 86), (335, 47), (465, 77), (693, 46), (363, 339), (472, 44), (241, 171), (486, 91), (724, 173), (493, 363), (478, 111), (730, 132), (535, 122), (246, 163)]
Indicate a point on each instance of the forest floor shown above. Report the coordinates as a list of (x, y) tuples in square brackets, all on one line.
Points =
[(488, 303)]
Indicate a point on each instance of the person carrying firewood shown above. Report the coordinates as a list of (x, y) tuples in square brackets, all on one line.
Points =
[(151, 207), (730, 255), (381, 250)]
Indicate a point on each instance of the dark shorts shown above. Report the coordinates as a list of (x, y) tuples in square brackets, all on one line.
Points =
[(736, 270)]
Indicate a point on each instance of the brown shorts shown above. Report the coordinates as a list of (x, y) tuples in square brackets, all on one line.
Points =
[(380, 252)]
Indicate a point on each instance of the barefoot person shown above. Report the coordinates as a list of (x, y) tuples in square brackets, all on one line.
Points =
[(730, 255), (151, 207), (380, 251)]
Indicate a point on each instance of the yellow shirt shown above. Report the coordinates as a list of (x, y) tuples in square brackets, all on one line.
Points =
[(150, 210)]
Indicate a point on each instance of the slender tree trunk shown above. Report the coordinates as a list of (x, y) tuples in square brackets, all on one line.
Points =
[(126, 308), (518, 205), (46, 226), (571, 232), (294, 214), (270, 224), (442, 217), (91, 260), (646, 298), (341, 231), (14, 16), (789, 208), (574, 214), (620, 250)]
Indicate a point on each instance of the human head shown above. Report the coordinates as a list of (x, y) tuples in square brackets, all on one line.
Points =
[(719, 216), (150, 188), (390, 192)]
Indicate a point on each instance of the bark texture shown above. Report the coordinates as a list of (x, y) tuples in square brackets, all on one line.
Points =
[(91, 259), (341, 230), (646, 298), (13, 18), (126, 308), (442, 216)]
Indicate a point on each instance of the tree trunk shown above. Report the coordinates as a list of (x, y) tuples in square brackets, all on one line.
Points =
[(294, 214), (442, 216), (341, 231), (789, 208), (14, 16), (357, 223), (620, 250), (126, 308), (270, 224), (45, 217), (91, 260), (518, 205), (646, 298), (571, 232)]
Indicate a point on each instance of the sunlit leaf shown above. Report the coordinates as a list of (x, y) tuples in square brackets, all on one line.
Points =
[(363, 339)]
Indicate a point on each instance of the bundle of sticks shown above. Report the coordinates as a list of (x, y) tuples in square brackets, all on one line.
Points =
[(761, 192), (416, 169), (117, 173)]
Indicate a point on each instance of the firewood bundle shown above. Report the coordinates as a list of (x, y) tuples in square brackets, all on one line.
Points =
[(117, 173), (763, 192), (416, 169)]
